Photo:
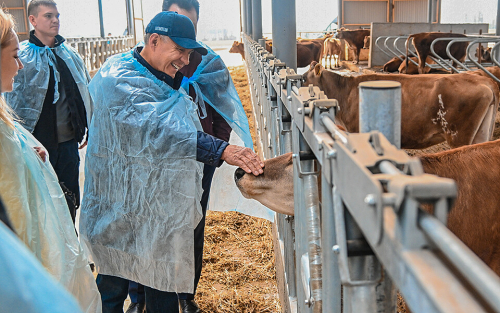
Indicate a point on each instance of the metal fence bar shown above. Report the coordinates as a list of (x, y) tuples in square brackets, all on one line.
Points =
[(376, 192)]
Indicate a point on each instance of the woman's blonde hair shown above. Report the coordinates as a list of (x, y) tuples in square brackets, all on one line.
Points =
[(6, 34)]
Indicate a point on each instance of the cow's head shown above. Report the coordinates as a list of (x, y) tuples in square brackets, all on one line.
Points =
[(235, 48), (313, 75), (340, 33), (273, 188)]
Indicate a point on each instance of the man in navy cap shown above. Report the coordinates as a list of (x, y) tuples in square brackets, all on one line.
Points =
[(208, 82), (144, 168)]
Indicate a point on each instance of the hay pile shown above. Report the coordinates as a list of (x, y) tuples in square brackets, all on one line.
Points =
[(238, 260)]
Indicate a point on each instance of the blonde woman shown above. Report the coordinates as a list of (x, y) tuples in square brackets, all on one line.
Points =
[(31, 193)]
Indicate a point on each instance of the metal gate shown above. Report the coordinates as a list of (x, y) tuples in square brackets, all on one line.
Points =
[(365, 235)]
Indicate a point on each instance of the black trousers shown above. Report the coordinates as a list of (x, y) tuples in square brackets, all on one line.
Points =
[(66, 162), (136, 292)]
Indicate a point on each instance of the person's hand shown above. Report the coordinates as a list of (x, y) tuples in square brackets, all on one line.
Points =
[(41, 153), (84, 144), (244, 158)]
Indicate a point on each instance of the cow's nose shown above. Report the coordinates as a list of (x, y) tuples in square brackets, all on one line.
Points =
[(238, 174)]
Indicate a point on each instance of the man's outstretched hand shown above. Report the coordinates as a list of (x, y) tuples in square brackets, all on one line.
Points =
[(244, 158)]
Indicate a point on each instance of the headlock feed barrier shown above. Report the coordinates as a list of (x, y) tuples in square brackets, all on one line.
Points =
[(364, 237)]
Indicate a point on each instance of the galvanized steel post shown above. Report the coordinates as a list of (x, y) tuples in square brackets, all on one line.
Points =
[(249, 17), (243, 13), (257, 20), (284, 32), (380, 109), (498, 19)]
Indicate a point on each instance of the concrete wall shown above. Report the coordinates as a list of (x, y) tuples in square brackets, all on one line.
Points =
[(378, 58)]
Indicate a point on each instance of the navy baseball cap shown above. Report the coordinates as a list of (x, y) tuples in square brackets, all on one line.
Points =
[(177, 27)]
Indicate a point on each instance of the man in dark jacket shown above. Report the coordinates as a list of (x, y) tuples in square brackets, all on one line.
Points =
[(50, 96), (143, 174), (214, 124)]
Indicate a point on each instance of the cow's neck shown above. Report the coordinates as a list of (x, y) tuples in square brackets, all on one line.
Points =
[(335, 86)]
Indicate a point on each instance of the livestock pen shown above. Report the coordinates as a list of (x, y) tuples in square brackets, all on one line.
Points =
[(351, 245)]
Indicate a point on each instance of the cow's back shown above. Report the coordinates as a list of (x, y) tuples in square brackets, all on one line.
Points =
[(476, 170)]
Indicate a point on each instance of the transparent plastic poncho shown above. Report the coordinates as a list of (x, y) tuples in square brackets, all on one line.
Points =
[(213, 86), (26, 286), (142, 180), (32, 82), (37, 208)]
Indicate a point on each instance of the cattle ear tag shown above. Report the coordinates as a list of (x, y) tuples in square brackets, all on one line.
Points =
[(317, 69)]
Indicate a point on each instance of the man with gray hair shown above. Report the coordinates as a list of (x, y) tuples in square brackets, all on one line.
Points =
[(144, 169)]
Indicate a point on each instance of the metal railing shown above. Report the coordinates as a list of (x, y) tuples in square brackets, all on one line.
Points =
[(390, 46), (95, 50), (365, 231)]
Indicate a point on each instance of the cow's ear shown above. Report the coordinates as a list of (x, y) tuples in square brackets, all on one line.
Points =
[(317, 69)]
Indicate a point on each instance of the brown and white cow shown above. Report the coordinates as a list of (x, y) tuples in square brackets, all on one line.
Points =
[(434, 107), (423, 41), (355, 39), (332, 49), (473, 219)]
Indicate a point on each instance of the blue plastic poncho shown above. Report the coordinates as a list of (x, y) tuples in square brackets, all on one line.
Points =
[(26, 286), (40, 216), (31, 83), (213, 85), (142, 182)]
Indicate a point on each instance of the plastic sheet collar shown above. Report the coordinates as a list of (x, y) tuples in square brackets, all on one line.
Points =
[(31, 83), (143, 183), (38, 211), (213, 84)]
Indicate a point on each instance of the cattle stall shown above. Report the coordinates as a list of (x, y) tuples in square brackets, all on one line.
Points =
[(358, 233)]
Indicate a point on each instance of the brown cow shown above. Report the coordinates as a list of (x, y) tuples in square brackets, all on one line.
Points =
[(485, 54), (423, 41), (307, 52), (331, 48), (397, 65), (355, 39), (413, 69), (434, 108), (393, 64), (238, 47), (366, 42), (473, 219)]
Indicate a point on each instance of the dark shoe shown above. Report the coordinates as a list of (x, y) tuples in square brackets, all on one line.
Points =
[(136, 308), (189, 306)]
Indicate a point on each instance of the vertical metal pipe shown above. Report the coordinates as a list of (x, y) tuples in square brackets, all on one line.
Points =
[(130, 17), (331, 277), (284, 32), (241, 17), (101, 20), (391, 12), (380, 109), (249, 17), (313, 235), (498, 19), (340, 19), (257, 20), (244, 15), (429, 11)]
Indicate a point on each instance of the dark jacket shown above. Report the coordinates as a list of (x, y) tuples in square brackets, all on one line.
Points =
[(46, 128)]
